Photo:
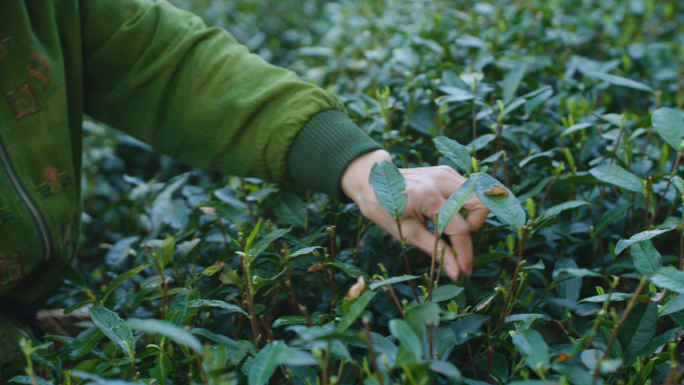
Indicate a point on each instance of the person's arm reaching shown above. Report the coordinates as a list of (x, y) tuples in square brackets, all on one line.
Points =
[(194, 93)]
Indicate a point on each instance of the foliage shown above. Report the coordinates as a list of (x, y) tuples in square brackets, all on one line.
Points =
[(565, 116)]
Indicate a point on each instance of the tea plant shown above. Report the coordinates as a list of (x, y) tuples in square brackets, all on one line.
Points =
[(564, 116)]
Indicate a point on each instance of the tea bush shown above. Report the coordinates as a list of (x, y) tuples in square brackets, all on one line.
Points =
[(565, 115)]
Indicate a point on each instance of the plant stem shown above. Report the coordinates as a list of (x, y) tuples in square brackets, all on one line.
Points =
[(396, 300), (201, 368), (252, 315), (406, 261), (331, 231), (669, 182), (504, 310), (432, 263), (371, 351), (613, 336), (649, 183)]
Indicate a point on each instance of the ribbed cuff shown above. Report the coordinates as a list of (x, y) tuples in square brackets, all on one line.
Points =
[(323, 149)]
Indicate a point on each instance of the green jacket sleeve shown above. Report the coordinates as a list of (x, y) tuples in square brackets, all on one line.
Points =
[(195, 94)]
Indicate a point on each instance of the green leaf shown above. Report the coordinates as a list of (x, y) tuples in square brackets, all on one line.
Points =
[(455, 95), (304, 251), (355, 311), (512, 81), (533, 348), (465, 328), (446, 369), (176, 333), (97, 380), (123, 278), (642, 236), (575, 272), (219, 304), (604, 297), (266, 241), (223, 209), (85, 342), (611, 216), (678, 183), (289, 320), (673, 305), (114, 328), (619, 81), (557, 209), (407, 337), (618, 176), (445, 293), (295, 357), (167, 250), (576, 375), (669, 125), (162, 367), (637, 330), (265, 363), (388, 183), (454, 151), (29, 380), (658, 342), (506, 208), (646, 258), (350, 269), (420, 316), (455, 202), (392, 280), (290, 209), (669, 278)]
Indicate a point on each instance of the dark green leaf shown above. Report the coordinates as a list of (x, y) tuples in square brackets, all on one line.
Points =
[(618, 176), (219, 304), (114, 328), (507, 208), (455, 202), (619, 81), (533, 349), (455, 151), (290, 209), (646, 258), (669, 125), (176, 333), (388, 183)]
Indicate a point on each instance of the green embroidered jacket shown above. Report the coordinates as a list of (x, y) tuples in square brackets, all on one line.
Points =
[(160, 75)]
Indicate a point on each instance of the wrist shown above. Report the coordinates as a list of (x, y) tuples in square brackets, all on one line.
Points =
[(355, 184)]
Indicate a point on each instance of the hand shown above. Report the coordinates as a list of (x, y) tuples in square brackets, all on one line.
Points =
[(427, 189)]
